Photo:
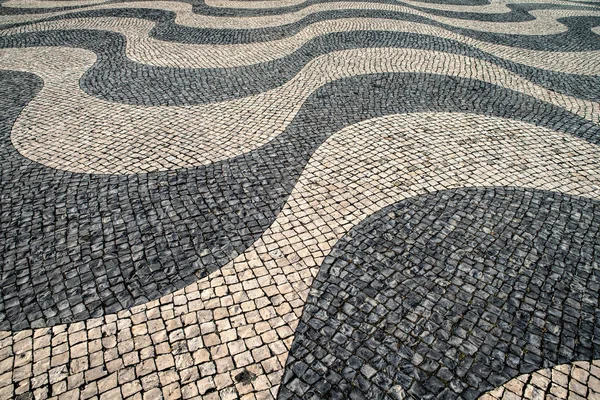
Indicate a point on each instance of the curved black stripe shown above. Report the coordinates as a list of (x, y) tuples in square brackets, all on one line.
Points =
[(451, 294), (202, 8), (198, 7), (74, 245), (116, 78), (587, 3), (578, 37), (518, 11), (20, 11), (458, 2)]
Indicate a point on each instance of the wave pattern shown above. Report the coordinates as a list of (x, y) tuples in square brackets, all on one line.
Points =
[(299, 199), (442, 296)]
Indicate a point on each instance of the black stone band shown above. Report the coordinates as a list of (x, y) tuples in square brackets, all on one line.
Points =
[(78, 245), (451, 294), (116, 78)]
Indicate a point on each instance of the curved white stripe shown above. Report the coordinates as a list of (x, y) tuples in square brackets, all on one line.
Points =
[(492, 8), (253, 5), (355, 173), (50, 4), (553, 383), (545, 22), (374, 163), (145, 49), (85, 134)]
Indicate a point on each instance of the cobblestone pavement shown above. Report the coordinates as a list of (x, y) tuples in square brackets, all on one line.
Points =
[(299, 199)]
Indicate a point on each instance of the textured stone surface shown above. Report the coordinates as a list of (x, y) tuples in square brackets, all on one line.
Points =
[(119, 262), (129, 81), (450, 294), (175, 176), (577, 380)]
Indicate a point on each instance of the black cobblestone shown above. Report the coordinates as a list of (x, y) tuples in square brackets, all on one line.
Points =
[(91, 244), (451, 294), (116, 78)]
